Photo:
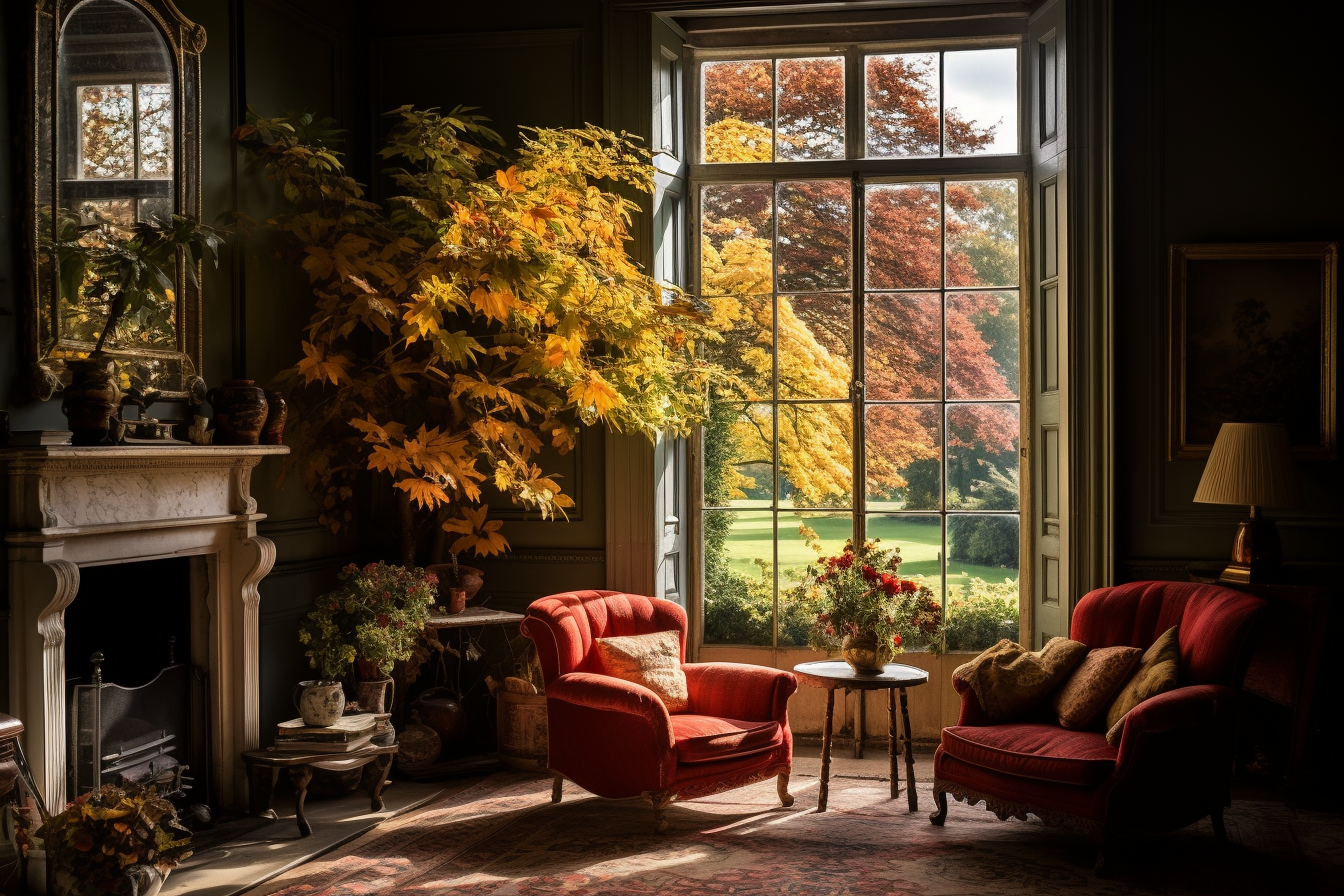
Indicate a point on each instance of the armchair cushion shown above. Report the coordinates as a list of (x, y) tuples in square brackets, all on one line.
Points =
[(1155, 675), (1092, 686), (653, 660), (1008, 680), (1033, 750), (709, 738), (740, 691)]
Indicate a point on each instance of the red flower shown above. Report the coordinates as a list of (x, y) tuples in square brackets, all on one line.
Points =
[(890, 585), (821, 578), (908, 586), (869, 573), (384, 620), (829, 630), (823, 617), (896, 639), (845, 561)]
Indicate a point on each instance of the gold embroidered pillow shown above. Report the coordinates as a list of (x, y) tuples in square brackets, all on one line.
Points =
[(1007, 679), (1156, 675), (653, 660), (1091, 687)]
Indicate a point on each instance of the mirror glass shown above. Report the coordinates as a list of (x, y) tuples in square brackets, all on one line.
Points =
[(111, 149)]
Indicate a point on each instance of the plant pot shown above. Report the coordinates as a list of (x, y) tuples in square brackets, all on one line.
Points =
[(864, 654), (441, 710), (471, 580), (376, 694), (320, 703), (141, 880), (273, 431), (91, 400), (418, 748), (520, 730), (240, 412)]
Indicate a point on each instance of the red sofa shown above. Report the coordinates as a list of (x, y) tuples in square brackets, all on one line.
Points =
[(616, 739), (1174, 762)]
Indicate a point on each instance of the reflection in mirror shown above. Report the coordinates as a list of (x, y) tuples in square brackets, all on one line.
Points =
[(111, 152)]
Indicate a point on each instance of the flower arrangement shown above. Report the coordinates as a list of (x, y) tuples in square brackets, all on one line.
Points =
[(859, 592), (376, 616), (105, 832)]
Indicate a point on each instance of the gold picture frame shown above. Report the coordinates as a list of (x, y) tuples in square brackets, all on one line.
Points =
[(1252, 340)]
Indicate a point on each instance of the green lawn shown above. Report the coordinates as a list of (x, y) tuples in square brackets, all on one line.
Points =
[(920, 545)]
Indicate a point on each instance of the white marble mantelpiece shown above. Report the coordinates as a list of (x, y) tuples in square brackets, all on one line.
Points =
[(69, 507)]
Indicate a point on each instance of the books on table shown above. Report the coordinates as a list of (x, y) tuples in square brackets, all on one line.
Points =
[(346, 730), (304, 746)]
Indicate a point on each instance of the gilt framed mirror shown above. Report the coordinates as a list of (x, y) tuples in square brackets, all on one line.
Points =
[(114, 139)]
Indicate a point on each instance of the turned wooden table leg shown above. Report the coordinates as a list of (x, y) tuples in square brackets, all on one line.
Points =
[(826, 752), (381, 765), (860, 725), (261, 789), (909, 756), (300, 775), (893, 745)]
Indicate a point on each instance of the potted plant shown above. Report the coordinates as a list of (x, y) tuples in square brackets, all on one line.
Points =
[(863, 607), (457, 584), (108, 835), (126, 272), (372, 621), (473, 319)]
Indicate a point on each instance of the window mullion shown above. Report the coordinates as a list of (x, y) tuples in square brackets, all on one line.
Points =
[(857, 390), (774, 403)]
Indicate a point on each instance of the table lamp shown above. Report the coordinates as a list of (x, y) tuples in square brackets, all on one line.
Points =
[(1251, 463)]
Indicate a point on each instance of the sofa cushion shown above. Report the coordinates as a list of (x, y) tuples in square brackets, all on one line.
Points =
[(1007, 679), (1034, 750), (709, 738), (1155, 675), (653, 660), (1089, 690)]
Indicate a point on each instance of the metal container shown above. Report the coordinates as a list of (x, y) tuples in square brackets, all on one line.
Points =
[(521, 730)]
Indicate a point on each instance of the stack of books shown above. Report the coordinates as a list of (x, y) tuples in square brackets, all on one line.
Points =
[(349, 734)]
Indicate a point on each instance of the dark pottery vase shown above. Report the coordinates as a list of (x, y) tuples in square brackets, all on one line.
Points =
[(273, 433), (376, 694), (418, 747), (240, 412), (441, 710), (864, 654), (91, 400)]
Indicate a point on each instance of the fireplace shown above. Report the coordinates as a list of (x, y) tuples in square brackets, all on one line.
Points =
[(72, 509)]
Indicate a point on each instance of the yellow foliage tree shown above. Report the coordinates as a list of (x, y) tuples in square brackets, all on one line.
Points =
[(463, 326)]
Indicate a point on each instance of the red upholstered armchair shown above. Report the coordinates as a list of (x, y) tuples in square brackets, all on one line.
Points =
[(616, 739), (1174, 762)]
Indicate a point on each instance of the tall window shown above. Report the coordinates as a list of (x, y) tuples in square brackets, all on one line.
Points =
[(858, 249)]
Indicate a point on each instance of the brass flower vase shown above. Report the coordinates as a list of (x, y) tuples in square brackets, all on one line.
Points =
[(864, 654), (91, 400)]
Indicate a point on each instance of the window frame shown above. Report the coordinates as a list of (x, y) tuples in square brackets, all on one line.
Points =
[(859, 171)]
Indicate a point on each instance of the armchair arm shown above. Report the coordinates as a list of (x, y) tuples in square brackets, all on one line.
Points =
[(972, 713), (611, 737), (740, 691), (1205, 712)]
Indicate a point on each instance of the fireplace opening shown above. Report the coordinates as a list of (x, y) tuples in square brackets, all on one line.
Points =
[(138, 707)]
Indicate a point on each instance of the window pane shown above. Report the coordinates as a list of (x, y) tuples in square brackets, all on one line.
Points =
[(982, 457), (115, 211), (814, 236), (156, 130), (920, 538), (982, 345), (738, 112), (982, 233), (903, 444), (106, 131), (901, 90), (736, 279), (816, 455), (980, 98), (832, 530), (902, 345), (904, 236), (739, 577), (158, 207), (739, 464), (815, 335), (982, 580), (811, 109)]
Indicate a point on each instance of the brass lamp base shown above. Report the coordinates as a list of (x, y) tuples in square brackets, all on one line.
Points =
[(1257, 554)]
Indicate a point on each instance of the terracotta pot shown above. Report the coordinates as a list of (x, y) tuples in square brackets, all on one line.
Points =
[(440, 709), (320, 703), (91, 400), (471, 581), (376, 694), (419, 747), (240, 412), (864, 654), (273, 433)]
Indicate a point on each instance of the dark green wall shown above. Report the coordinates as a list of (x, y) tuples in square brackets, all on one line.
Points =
[(1219, 138)]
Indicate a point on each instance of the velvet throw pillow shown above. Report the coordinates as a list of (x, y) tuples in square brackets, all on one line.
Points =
[(653, 660), (1008, 680), (1092, 686), (1156, 674)]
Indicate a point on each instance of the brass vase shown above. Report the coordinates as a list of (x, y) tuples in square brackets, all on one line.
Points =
[(240, 412), (864, 654), (91, 400)]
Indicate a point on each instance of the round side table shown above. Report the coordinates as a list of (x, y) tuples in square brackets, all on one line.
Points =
[(832, 674)]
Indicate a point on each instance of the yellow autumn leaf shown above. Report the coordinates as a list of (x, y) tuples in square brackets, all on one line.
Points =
[(316, 366), (493, 303), (508, 180), (595, 393)]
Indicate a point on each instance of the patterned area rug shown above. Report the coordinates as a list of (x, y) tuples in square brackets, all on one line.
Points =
[(503, 837)]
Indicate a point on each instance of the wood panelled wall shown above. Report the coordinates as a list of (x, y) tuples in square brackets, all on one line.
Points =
[(1217, 140)]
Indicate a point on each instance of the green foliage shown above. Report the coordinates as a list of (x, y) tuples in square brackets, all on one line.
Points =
[(376, 615), (982, 613)]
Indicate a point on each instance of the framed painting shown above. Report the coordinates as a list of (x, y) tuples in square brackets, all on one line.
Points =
[(1252, 341)]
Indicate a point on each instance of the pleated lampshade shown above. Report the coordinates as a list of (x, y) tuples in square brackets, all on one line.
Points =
[(1251, 463)]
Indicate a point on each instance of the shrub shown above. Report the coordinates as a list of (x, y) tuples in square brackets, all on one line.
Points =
[(982, 613), (983, 540)]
